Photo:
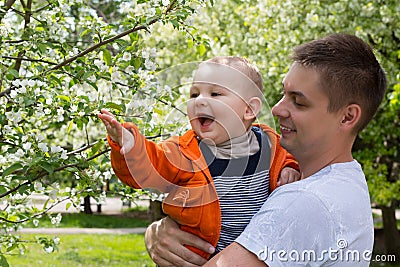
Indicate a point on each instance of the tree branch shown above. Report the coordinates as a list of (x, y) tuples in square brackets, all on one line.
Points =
[(107, 41), (30, 59), (43, 173)]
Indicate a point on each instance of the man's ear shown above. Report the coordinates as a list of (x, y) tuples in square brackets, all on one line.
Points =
[(351, 115), (253, 108)]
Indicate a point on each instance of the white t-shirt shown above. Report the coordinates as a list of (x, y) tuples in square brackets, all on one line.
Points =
[(323, 220)]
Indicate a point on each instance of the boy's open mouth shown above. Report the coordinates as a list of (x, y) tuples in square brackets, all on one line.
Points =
[(205, 120)]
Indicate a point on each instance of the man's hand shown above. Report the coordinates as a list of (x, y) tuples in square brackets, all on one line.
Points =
[(116, 132), (165, 244), (288, 175)]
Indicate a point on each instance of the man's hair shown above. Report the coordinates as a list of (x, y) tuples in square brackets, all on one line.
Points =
[(242, 65), (349, 73)]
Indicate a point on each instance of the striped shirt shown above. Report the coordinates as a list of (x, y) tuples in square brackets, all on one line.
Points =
[(242, 185)]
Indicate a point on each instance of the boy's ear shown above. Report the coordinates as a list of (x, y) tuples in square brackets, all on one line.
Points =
[(351, 116), (253, 108)]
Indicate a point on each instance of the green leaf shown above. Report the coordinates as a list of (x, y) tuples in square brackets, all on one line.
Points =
[(12, 247), (190, 43), (64, 97), (14, 73), (71, 124), (2, 191), (42, 48), (86, 32), (201, 49), (87, 75), (68, 205), (47, 167), (175, 23), (46, 203), (96, 147), (112, 105), (137, 63), (12, 169), (3, 261), (107, 57)]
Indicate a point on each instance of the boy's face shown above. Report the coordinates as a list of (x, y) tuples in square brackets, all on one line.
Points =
[(306, 126), (218, 107)]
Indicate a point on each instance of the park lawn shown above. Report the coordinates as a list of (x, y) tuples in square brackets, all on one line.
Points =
[(81, 220), (86, 250)]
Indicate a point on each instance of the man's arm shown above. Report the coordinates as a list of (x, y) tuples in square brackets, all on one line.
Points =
[(235, 255), (165, 244)]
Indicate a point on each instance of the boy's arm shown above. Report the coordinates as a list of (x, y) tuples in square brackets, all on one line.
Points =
[(136, 161), (288, 175), (116, 132), (283, 163)]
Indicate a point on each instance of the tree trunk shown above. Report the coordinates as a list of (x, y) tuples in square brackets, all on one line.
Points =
[(86, 205), (391, 233), (155, 210)]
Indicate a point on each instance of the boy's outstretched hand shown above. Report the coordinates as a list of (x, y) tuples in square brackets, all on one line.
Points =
[(288, 175), (117, 132)]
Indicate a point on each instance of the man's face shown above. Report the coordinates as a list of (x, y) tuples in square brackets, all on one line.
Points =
[(307, 128)]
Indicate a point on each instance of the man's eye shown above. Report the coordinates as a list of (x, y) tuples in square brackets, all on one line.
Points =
[(299, 104)]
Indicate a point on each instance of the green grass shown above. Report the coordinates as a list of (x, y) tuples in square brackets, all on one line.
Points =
[(82, 220), (87, 251)]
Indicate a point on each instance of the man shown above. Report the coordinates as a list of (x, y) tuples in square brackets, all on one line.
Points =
[(330, 93)]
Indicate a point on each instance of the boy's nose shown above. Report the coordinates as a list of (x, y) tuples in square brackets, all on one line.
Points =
[(201, 100)]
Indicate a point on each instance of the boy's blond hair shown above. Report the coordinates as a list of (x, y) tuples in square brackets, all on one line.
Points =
[(242, 65)]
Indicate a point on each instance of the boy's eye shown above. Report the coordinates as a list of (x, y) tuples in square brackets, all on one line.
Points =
[(215, 94), (194, 95)]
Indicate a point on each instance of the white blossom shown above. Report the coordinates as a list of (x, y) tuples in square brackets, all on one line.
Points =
[(31, 83), (43, 147), (35, 222), (19, 153), (13, 94), (165, 2), (40, 138), (60, 111), (38, 186), (21, 90), (49, 249), (127, 56), (55, 149), (153, 52), (57, 219), (107, 175), (151, 12), (27, 146), (115, 76), (150, 65), (14, 116), (64, 154), (56, 240)]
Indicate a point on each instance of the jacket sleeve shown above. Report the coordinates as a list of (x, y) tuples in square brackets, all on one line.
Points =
[(147, 164), (281, 159)]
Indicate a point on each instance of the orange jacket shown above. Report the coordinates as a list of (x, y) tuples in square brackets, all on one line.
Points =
[(176, 166)]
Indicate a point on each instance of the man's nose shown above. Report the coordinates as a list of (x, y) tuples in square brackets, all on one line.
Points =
[(280, 110)]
